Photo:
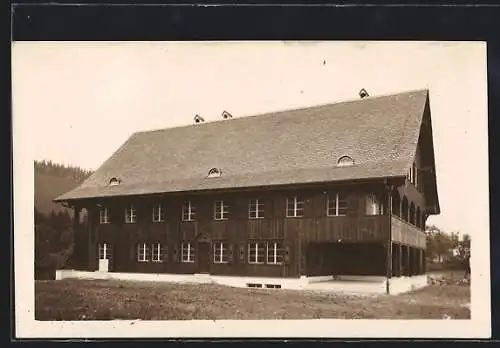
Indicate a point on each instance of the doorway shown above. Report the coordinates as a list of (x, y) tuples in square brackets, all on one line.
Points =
[(203, 257)]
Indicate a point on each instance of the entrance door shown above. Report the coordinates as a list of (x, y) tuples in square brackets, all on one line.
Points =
[(203, 257)]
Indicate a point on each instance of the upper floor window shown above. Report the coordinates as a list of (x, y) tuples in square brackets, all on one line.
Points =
[(221, 210), (336, 205), (158, 213), (103, 215), (187, 252), (255, 209), (221, 253), (374, 205), (294, 207), (188, 211), (130, 215)]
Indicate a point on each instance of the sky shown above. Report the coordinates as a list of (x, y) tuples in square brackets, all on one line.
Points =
[(81, 101)]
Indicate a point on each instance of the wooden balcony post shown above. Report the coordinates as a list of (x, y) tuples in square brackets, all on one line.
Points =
[(389, 239), (77, 255)]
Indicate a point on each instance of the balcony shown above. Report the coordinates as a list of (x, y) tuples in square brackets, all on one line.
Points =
[(406, 233)]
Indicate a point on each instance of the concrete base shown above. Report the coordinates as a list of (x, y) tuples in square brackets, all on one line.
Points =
[(343, 284)]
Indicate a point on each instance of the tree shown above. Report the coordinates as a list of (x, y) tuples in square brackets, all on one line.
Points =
[(439, 244)]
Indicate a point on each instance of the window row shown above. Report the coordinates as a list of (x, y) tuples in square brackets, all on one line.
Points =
[(336, 205), (258, 252)]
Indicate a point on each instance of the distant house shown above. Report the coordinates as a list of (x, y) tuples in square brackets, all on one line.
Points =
[(340, 189)]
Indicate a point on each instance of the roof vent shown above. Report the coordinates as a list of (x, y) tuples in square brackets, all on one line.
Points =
[(114, 181), (345, 161), (214, 173), (198, 119), (363, 93), (226, 115)]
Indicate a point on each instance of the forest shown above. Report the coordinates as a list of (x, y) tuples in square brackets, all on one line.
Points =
[(53, 222)]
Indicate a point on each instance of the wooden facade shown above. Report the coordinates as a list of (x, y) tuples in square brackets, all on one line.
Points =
[(353, 243)]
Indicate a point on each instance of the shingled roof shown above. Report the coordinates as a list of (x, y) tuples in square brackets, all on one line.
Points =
[(288, 147)]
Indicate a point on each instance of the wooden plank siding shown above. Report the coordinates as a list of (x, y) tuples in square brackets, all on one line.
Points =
[(295, 233)]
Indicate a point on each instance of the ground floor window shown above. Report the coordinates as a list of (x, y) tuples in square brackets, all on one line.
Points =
[(275, 253), (256, 252), (105, 251), (221, 252), (188, 252), (151, 252)]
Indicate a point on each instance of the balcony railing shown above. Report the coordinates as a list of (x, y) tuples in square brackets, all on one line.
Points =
[(406, 233)]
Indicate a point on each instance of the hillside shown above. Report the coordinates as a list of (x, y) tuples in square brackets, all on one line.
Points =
[(52, 180)]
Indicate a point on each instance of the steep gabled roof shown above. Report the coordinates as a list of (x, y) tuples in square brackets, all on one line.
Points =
[(288, 147)]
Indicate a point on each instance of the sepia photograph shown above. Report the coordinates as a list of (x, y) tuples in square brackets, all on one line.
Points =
[(251, 189)]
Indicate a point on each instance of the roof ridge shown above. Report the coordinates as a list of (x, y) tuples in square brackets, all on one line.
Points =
[(269, 113)]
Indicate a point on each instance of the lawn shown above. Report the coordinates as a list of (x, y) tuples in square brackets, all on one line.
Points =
[(72, 299)]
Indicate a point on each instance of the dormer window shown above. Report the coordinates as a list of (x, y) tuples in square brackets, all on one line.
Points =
[(345, 161), (114, 181), (226, 115), (214, 173)]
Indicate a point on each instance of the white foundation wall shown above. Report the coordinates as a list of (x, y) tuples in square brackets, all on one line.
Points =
[(341, 284)]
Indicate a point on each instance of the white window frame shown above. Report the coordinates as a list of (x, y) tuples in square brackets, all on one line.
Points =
[(160, 217), (334, 198), (221, 210), (255, 253), (156, 252), (103, 215), (255, 209), (296, 209), (190, 253), (275, 253), (189, 210), (142, 252), (105, 251), (130, 215), (377, 205), (221, 252)]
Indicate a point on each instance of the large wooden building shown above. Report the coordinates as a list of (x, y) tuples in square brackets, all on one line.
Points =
[(340, 189)]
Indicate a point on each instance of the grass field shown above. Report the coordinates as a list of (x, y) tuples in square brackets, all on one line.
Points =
[(72, 299)]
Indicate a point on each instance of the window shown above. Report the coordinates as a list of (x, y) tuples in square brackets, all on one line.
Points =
[(187, 252), (275, 253), (157, 252), (150, 252), (130, 215), (221, 210), (214, 173), (158, 213), (188, 211), (104, 251), (256, 253), (336, 205), (103, 215), (114, 181), (345, 161), (374, 205), (221, 254), (143, 252), (412, 177), (255, 209), (294, 207)]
